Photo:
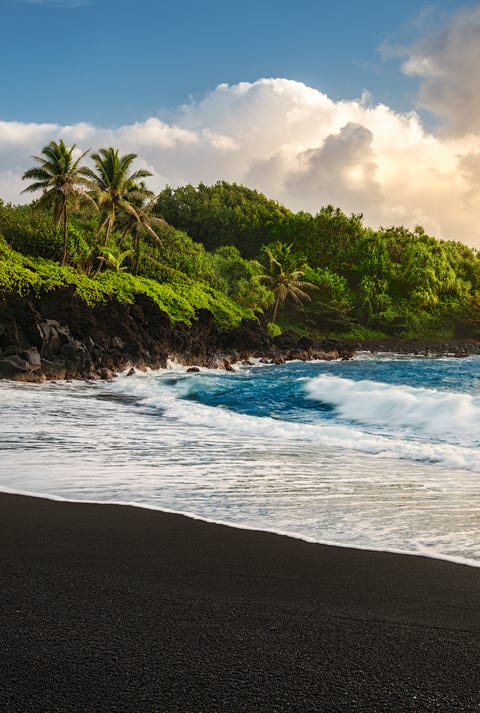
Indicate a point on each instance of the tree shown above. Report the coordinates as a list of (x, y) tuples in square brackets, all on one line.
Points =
[(61, 178), (223, 214), (141, 219), (282, 276), (117, 188), (239, 278)]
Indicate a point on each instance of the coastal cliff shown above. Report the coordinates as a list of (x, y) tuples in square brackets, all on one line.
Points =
[(58, 336)]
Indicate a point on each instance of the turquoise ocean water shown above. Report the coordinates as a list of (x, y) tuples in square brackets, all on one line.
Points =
[(379, 452)]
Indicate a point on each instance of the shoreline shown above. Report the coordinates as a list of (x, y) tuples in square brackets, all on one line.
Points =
[(230, 363), (461, 561), (108, 608)]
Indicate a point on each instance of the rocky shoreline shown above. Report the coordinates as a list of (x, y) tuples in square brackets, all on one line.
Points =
[(57, 336)]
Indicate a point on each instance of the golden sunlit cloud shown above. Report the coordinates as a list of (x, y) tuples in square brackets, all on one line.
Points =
[(297, 145)]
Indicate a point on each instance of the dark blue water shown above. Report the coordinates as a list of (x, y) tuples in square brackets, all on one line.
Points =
[(280, 393)]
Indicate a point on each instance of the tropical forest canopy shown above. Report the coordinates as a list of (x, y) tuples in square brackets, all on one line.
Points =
[(230, 249)]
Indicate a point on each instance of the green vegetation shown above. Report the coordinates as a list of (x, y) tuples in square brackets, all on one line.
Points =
[(119, 193), (25, 275), (283, 275), (101, 232), (61, 178), (224, 214), (368, 283)]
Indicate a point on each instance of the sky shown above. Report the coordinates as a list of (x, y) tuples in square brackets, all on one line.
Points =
[(370, 106)]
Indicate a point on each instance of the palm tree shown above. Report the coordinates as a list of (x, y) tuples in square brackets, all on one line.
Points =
[(140, 219), (61, 178), (116, 187), (281, 276)]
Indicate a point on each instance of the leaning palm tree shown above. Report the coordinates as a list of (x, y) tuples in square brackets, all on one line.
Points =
[(283, 280), (140, 220), (116, 188), (62, 179)]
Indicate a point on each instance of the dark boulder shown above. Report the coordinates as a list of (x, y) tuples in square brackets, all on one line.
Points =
[(14, 367), (287, 340), (32, 356), (53, 336)]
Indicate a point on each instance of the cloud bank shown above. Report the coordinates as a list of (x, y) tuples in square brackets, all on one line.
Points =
[(448, 64), (296, 145)]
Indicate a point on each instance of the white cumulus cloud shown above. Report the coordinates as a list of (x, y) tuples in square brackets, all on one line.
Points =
[(296, 145)]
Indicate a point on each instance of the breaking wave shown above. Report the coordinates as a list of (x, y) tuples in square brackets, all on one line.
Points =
[(373, 418), (441, 414)]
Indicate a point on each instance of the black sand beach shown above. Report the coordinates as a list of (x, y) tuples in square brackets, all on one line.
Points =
[(110, 608)]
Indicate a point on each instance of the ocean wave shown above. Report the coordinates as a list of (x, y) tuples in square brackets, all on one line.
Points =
[(225, 424), (442, 414)]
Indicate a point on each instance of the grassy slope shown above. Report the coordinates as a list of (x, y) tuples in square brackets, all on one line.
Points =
[(26, 275)]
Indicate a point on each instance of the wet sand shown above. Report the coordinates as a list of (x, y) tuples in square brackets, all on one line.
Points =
[(112, 608)]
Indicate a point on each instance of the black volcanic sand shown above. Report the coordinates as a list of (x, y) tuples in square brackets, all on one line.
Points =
[(111, 608)]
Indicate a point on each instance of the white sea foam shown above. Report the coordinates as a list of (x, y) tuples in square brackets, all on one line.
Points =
[(433, 412), (155, 394)]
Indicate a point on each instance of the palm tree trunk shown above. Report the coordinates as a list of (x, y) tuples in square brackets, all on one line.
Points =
[(122, 239), (108, 230), (65, 234), (101, 259), (275, 307)]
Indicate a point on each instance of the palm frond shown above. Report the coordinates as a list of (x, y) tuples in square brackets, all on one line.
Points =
[(33, 187), (141, 173)]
